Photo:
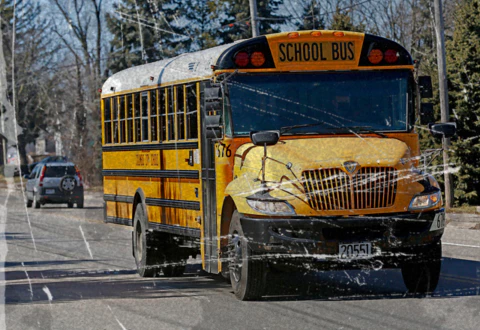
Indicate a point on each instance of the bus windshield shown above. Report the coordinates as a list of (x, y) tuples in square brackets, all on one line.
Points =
[(319, 102)]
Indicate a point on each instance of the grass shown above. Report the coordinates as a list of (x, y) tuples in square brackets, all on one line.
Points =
[(463, 209)]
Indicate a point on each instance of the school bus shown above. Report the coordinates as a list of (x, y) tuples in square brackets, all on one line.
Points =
[(282, 151)]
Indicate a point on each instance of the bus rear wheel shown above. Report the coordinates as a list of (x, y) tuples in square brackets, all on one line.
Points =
[(421, 275), (143, 249), (247, 274)]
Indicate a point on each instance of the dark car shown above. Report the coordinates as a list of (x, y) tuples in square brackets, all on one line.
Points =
[(54, 183)]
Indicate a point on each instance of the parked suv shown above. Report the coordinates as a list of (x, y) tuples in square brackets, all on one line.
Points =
[(54, 183)]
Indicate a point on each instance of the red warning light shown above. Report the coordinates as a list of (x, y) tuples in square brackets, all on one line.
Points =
[(242, 59)]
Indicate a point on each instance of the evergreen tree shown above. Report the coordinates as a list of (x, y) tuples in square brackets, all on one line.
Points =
[(312, 18), (234, 17), (197, 22), (342, 21), (464, 79), (145, 31)]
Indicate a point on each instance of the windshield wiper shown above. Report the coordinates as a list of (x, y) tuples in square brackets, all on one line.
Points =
[(362, 129), (289, 128), (354, 129)]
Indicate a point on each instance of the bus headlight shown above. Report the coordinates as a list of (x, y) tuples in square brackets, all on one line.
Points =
[(425, 201), (274, 207)]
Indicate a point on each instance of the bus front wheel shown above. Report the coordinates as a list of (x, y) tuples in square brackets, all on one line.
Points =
[(142, 246), (421, 275), (247, 274)]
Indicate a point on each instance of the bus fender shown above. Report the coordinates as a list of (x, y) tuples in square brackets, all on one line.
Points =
[(242, 187), (227, 211), (139, 198)]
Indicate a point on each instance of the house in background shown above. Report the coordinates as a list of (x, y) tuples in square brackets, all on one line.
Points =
[(45, 145)]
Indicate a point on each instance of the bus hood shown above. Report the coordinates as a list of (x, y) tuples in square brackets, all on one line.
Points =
[(289, 158)]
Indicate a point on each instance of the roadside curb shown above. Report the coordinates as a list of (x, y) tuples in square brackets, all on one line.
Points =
[(463, 217)]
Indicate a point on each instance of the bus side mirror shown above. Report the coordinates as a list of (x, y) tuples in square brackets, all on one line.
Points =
[(425, 85), (213, 99), (213, 127), (446, 130), (264, 138), (426, 113)]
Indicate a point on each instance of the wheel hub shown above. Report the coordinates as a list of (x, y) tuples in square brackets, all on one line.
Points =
[(236, 259), (68, 184), (139, 245)]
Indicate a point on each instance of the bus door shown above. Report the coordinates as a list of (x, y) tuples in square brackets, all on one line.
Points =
[(210, 118)]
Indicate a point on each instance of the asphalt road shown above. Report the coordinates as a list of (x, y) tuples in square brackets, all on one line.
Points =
[(66, 269)]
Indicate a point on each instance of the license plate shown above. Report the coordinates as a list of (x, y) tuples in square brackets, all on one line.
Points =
[(355, 250), (50, 191)]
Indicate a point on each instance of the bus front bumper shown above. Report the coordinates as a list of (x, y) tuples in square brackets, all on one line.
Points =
[(392, 237)]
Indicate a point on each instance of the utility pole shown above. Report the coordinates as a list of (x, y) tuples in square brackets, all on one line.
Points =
[(442, 81), (253, 18)]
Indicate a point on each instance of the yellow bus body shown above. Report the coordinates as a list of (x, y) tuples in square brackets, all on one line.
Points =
[(166, 175)]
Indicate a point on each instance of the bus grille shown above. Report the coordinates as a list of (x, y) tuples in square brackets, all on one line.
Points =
[(333, 189)]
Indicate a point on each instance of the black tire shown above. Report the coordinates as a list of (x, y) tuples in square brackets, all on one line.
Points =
[(247, 274), (143, 249), (80, 204), (70, 205), (422, 274), (36, 203), (29, 203)]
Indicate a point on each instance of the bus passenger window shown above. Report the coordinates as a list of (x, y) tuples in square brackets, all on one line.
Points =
[(154, 115), (163, 114), (107, 121), (115, 119), (180, 113), (192, 131), (145, 116), (137, 123), (121, 110), (171, 114), (130, 118)]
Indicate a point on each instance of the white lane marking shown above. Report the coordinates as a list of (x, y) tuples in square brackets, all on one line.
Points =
[(464, 245), (119, 323), (29, 282), (48, 293), (86, 243)]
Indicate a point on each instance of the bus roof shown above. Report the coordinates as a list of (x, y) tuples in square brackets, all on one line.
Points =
[(182, 67), (314, 50)]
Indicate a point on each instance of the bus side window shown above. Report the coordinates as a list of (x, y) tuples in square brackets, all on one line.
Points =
[(130, 118), (154, 115), (163, 114), (121, 110), (115, 118), (107, 121), (180, 113), (170, 114), (192, 131), (137, 122), (145, 116)]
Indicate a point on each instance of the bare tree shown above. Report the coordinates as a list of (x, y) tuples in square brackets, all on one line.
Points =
[(72, 24)]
